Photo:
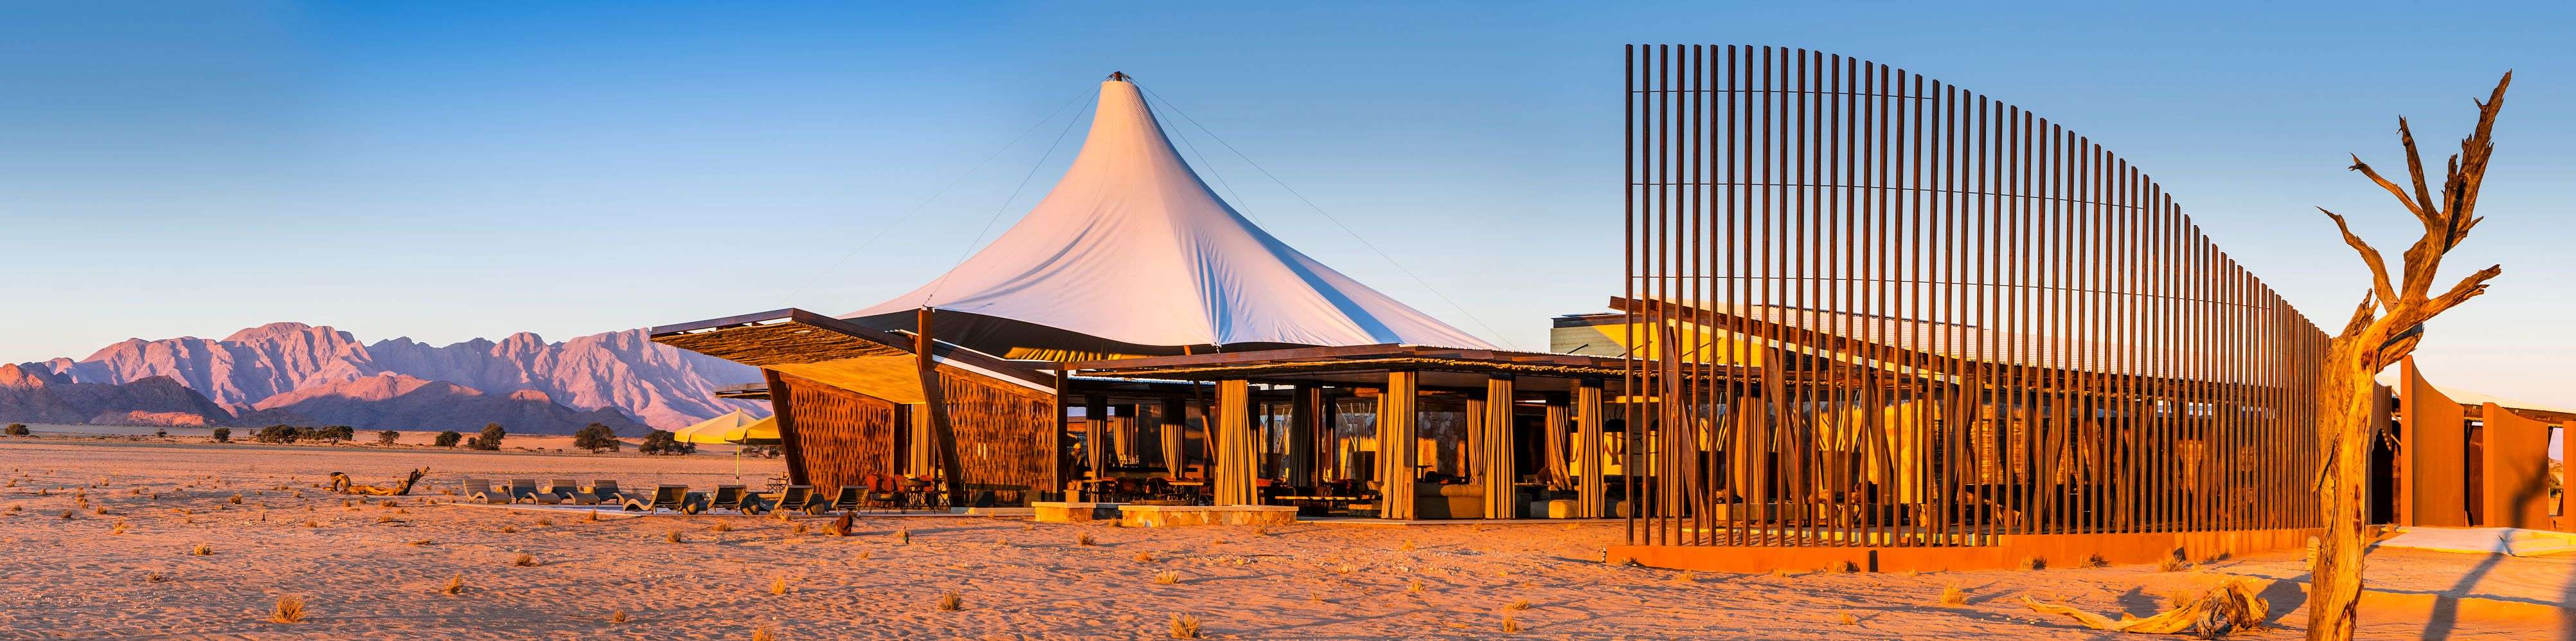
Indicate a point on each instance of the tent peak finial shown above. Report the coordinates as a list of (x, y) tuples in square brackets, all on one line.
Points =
[(1119, 75)]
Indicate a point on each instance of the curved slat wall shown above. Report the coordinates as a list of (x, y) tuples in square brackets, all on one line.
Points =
[(1937, 318)]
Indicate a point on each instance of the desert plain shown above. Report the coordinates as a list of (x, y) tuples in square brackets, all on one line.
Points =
[(104, 528)]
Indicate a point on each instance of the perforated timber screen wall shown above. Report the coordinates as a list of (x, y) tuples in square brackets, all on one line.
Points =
[(1875, 309)]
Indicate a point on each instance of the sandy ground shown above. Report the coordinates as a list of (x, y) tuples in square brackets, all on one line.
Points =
[(373, 570)]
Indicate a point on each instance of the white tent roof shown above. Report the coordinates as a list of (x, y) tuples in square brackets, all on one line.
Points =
[(1131, 246)]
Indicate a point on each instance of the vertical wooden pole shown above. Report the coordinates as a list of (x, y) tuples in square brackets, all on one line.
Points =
[(1395, 445), (1232, 431), (1500, 460), (934, 402), (1592, 500)]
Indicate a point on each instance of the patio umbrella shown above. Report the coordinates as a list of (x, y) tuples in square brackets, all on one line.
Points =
[(733, 428)]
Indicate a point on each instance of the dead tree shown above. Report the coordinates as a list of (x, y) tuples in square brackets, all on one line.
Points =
[(340, 483), (2384, 329)]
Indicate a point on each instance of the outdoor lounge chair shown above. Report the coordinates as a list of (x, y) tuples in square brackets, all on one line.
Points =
[(476, 490), (565, 491), (601, 491), (661, 497), (525, 491), (726, 497), (795, 498), (841, 499)]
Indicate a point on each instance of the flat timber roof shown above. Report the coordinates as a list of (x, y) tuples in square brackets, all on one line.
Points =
[(1350, 364), (816, 346)]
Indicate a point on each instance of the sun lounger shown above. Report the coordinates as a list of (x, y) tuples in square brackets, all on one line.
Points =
[(481, 491), (525, 491), (566, 491), (795, 498), (602, 491), (841, 499), (661, 497), (726, 497)]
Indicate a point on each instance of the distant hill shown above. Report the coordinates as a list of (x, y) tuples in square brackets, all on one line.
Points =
[(282, 371)]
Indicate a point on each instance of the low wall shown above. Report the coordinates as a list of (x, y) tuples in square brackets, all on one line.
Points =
[(1172, 515), (2007, 552), (1069, 512)]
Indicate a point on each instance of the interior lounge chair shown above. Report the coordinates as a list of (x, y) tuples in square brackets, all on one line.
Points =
[(795, 498), (840, 499), (601, 491), (525, 491), (726, 497), (661, 497), (476, 490), (565, 491)]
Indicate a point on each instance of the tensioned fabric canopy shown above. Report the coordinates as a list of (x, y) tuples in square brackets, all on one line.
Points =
[(1131, 246)]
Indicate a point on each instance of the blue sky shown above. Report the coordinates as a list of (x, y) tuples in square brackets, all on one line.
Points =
[(452, 170)]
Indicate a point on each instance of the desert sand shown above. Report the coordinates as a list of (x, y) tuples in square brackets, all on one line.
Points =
[(366, 568)]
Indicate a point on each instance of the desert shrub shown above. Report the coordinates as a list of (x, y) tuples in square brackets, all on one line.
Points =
[(223, 435), (17, 429), (596, 437), (665, 443), (387, 437), (278, 434), (489, 439), (335, 433), (290, 609), (950, 602), (448, 439), (1184, 626)]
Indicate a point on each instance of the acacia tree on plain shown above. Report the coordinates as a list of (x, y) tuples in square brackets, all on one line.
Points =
[(2385, 329)]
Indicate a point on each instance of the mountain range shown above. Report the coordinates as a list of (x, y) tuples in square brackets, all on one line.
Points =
[(303, 374)]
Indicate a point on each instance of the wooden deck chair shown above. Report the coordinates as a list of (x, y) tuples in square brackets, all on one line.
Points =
[(726, 497), (566, 491), (795, 498), (843, 499), (602, 491), (476, 490), (525, 491), (661, 497)]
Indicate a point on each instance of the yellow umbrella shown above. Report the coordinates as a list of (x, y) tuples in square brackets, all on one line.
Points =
[(735, 428)]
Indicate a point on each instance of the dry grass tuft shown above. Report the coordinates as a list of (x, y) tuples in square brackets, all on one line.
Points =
[(1952, 595), (67, 515), (201, 550), (154, 577), (290, 609), (1167, 577), (1406, 546), (1083, 539), (546, 522), (778, 585), (721, 526), (620, 616), (1511, 625), (1847, 619), (2171, 564), (1144, 557), (387, 518), (672, 537), (593, 517), (865, 555), (118, 528), (950, 602), (1841, 567), (2032, 563), (903, 537), (2096, 561), (800, 528), (312, 523), (1413, 587), (1184, 626), (419, 542), (524, 560), (235, 500), (763, 634), (1686, 577), (455, 585), (509, 529), (1780, 572)]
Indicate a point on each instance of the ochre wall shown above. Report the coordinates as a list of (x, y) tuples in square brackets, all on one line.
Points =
[(2517, 470), (2434, 441), (834, 436)]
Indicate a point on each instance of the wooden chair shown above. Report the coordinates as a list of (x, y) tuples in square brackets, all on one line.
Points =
[(661, 497)]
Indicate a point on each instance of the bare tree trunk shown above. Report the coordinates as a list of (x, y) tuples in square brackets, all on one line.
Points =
[(2345, 426)]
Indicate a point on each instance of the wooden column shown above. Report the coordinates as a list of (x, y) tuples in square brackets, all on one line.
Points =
[(1095, 437), (1591, 494), (1172, 425), (1395, 443), (1501, 464), (1559, 417), (935, 407), (1305, 414), (1232, 431)]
